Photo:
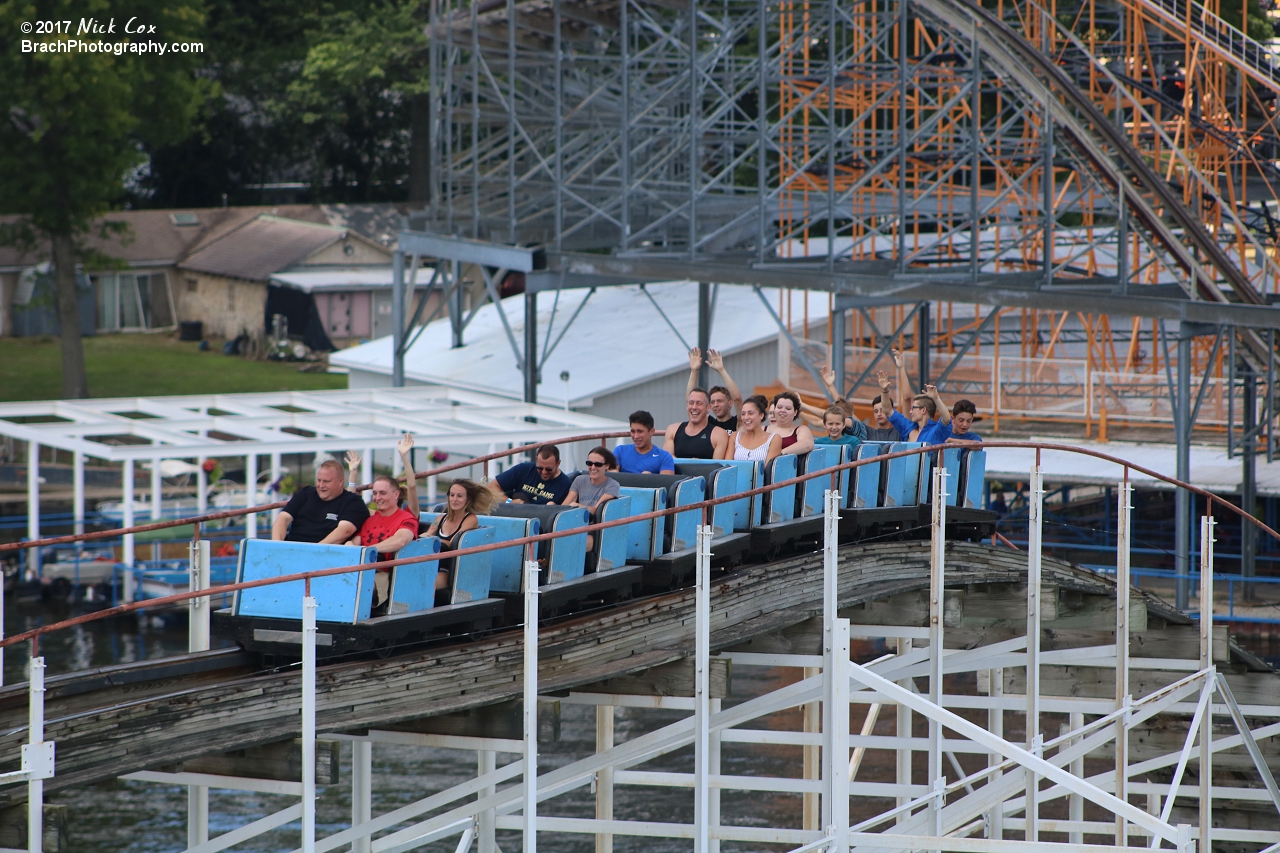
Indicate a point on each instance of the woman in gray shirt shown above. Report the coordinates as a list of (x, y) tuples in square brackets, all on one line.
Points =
[(593, 488)]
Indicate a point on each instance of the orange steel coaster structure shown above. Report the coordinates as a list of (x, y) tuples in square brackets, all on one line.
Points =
[(1063, 212), (1023, 178)]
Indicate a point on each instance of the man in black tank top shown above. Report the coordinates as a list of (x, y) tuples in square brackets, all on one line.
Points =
[(696, 438)]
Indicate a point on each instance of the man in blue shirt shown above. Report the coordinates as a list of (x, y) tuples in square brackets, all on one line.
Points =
[(923, 409), (539, 482), (956, 424), (641, 457)]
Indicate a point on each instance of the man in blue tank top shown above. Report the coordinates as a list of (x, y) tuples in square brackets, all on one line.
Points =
[(696, 438)]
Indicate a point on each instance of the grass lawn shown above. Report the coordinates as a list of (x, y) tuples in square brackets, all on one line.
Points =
[(146, 365)]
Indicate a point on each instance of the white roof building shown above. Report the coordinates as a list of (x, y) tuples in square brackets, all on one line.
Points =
[(624, 348)]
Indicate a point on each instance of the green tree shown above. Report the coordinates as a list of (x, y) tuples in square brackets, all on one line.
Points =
[(73, 123), (361, 95)]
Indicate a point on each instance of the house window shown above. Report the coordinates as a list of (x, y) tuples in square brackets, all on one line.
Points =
[(128, 300), (193, 284)]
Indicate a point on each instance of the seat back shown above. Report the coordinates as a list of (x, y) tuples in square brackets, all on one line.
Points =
[(566, 557), (611, 543), (644, 538), (746, 511), (472, 573), (339, 598), (903, 475), (864, 488), (506, 566), (721, 481), (779, 504), (681, 528), (924, 479), (809, 498), (413, 587), (684, 525), (974, 468), (952, 458)]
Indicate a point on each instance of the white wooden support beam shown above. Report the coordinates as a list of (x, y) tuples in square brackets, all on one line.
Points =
[(1124, 519), (37, 756), (251, 495), (198, 611), (77, 490), (1206, 662), (604, 776), (127, 496), (1035, 541), (530, 798), (361, 790), (33, 501), (937, 594), (702, 693), (308, 725)]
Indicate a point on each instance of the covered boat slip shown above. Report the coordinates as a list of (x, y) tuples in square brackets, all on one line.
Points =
[(257, 429)]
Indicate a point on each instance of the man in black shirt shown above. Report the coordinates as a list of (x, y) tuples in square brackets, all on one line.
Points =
[(324, 513), (723, 399)]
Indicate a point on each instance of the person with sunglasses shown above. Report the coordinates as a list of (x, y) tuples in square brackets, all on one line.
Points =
[(537, 482), (593, 488)]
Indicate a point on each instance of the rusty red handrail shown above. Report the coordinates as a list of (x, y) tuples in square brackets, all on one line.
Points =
[(232, 513), (833, 471)]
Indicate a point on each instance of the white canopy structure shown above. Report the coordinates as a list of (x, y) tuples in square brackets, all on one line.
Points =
[(154, 430)]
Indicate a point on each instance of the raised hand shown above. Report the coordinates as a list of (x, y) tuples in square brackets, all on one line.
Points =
[(405, 445), (828, 374), (883, 379), (695, 358), (897, 357), (353, 463), (931, 390), (714, 361)]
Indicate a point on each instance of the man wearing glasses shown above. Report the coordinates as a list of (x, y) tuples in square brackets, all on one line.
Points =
[(537, 482), (920, 424)]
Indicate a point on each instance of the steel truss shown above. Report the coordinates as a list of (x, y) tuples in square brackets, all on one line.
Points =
[(984, 791), (1023, 156)]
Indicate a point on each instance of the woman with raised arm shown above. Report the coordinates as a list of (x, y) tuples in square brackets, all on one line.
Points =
[(796, 437), (751, 440)]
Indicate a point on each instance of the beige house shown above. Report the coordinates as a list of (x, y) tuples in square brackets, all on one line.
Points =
[(226, 283), (214, 265)]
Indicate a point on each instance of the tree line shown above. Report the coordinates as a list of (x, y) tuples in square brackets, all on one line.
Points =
[(326, 94)]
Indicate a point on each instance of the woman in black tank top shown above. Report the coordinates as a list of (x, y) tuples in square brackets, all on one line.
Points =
[(694, 446)]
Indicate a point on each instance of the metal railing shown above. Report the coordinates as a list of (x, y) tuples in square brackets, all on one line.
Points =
[(38, 761)]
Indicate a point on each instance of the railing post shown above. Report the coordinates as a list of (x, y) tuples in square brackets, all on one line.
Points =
[(198, 641), (1206, 661), (486, 762), (701, 692), (308, 724), (1035, 539), (604, 777), (937, 598), (830, 606), (1123, 542), (837, 664), (127, 521), (531, 703), (35, 737), (361, 790)]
